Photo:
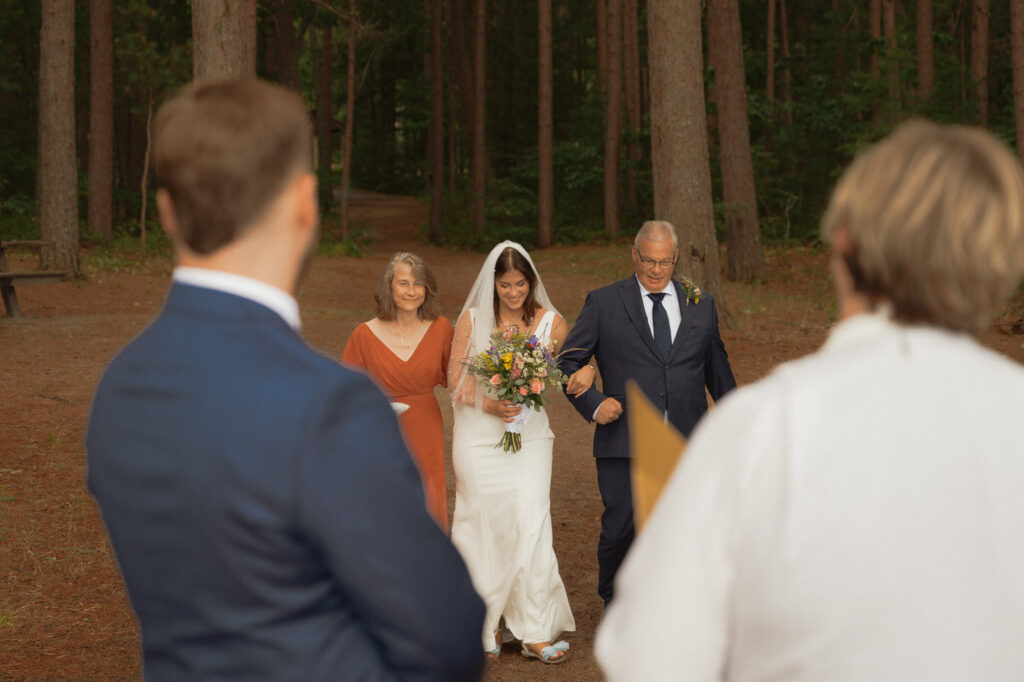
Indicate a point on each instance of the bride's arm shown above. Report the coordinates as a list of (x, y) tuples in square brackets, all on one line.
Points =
[(456, 370), (466, 392)]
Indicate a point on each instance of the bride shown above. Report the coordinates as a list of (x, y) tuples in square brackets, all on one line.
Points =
[(502, 521)]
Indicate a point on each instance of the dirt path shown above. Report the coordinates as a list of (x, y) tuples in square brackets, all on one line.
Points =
[(63, 611)]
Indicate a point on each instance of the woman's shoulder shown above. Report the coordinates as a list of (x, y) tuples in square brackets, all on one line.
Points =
[(544, 313)]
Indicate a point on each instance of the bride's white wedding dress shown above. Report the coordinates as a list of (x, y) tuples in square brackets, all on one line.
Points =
[(502, 522)]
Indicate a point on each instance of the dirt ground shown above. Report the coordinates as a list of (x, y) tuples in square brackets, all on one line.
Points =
[(63, 609)]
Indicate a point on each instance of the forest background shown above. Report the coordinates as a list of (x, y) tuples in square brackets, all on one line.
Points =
[(556, 121), (560, 123)]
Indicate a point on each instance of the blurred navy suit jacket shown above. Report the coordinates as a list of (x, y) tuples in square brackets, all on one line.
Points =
[(268, 519), (612, 327)]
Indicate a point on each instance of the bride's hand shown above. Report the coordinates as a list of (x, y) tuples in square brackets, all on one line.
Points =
[(581, 381), (505, 409), (466, 393)]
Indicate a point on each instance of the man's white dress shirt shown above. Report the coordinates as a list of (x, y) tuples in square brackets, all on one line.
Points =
[(670, 301), (856, 515), (276, 299)]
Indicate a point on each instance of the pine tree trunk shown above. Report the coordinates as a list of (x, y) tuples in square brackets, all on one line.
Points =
[(601, 31), (613, 119), (769, 79), (634, 113), (454, 161), (479, 140), (286, 48), (324, 108), (223, 39), (350, 107), (979, 58), (875, 28), (1017, 51), (459, 59), (679, 142), (545, 129), (745, 260), (101, 119), (925, 51), (889, 29), (787, 89), (436, 122), (58, 177)]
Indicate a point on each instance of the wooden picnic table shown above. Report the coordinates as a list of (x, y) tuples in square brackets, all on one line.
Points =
[(8, 279)]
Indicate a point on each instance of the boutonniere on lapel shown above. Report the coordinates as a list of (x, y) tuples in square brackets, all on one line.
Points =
[(690, 288)]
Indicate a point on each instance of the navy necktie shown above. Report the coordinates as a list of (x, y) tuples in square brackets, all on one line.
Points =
[(662, 335)]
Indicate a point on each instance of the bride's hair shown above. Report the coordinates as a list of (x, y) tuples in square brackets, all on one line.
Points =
[(510, 259)]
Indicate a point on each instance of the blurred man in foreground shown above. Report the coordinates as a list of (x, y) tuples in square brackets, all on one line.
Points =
[(265, 512), (857, 514)]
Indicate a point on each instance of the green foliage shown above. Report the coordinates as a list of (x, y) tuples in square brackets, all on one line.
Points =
[(840, 101), (19, 216)]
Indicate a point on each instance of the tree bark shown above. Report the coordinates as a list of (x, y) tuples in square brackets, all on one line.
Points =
[(1017, 51), (101, 119), (769, 77), (925, 51), (679, 148), (324, 110), (479, 140), (601, 31), (286, 47), (745, 260), (889, 29), (634, 112), (979, 58), (545, 129), (787, 89), (350, 106), (875, 28), (58, 177), (463, 72), (613, 119), (436, 122), (224, 39)]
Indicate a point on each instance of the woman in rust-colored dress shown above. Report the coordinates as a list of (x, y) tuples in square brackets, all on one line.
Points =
[(406, 349)]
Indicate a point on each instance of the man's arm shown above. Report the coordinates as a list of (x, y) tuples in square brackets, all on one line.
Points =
[(717, 372), (362, 499), (580, 346)]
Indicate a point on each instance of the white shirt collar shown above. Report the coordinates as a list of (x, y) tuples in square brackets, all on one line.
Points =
[(260, 292), (669, 290)]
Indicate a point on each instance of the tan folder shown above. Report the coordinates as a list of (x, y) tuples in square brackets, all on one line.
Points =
[(656, 446)]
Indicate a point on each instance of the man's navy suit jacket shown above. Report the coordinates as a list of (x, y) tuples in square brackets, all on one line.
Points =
[(268, 519), (612, 327)]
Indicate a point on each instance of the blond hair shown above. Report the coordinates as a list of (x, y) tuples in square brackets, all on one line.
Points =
[(421, 272), (935, 218)]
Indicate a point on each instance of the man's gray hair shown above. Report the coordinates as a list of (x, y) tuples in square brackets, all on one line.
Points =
[(656, 230)]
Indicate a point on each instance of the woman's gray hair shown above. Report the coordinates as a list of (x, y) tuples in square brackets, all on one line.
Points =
[(385, 301)]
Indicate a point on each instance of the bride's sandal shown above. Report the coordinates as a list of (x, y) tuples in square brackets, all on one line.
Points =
[(493, 654), (550, 654)]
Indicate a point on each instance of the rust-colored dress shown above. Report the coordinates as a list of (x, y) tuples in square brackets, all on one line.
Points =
[(412, 382)]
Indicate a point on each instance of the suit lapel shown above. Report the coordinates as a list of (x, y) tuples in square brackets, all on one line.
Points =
[(630, 294)]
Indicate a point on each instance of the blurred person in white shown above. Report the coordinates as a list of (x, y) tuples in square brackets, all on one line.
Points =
[(857, 515)]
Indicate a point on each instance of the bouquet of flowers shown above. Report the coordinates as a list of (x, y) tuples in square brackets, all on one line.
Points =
[(519, 369)]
